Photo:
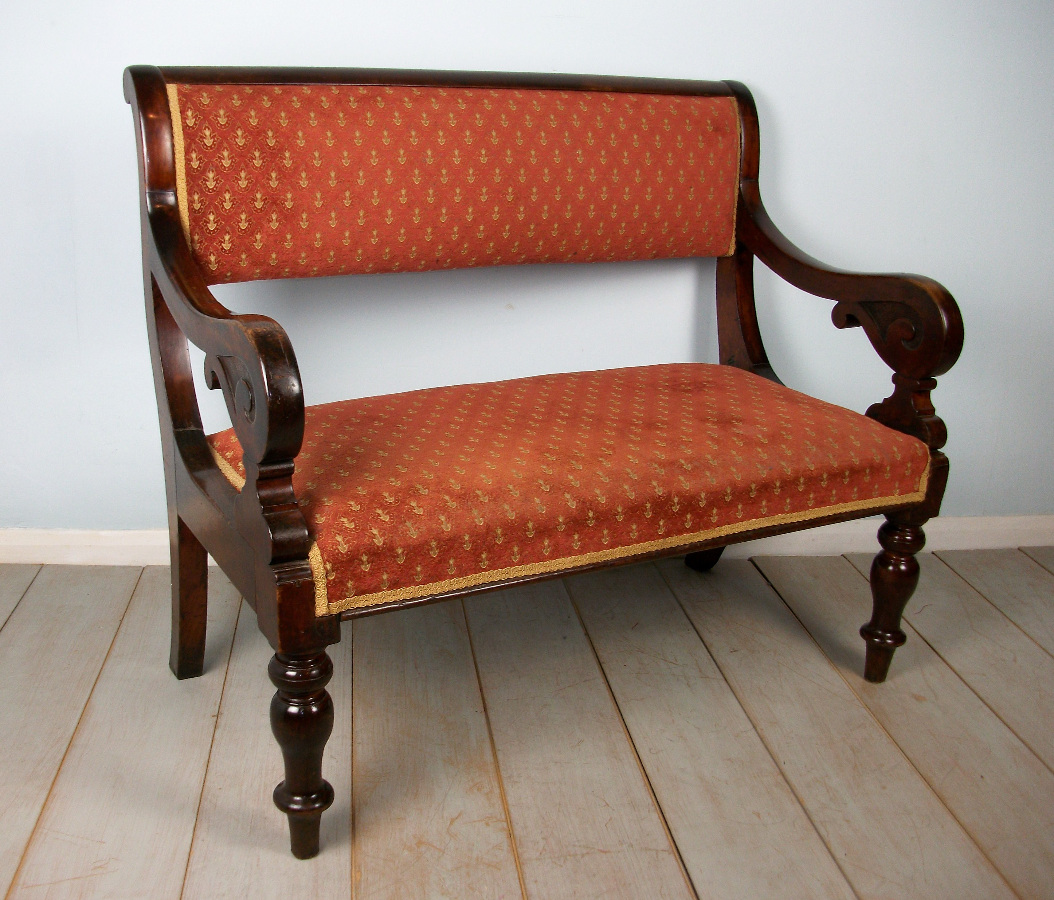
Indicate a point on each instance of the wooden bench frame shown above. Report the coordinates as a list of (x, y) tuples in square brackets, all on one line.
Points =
[(259, 535)]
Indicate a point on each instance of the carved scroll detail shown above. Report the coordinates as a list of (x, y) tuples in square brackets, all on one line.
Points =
[(232, 376), (884, 322), (903, 337)]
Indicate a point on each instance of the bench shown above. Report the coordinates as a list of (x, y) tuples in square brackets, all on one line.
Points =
[(322, 513)]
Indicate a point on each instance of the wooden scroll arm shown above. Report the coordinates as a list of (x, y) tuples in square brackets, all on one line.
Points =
[(249, 357), (912, 321)]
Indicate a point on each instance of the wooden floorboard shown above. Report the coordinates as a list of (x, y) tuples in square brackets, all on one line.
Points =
[(428, 814), (51, 651), (708, 737), (1043, 555), (584, 820), (241, 843), (121, 813), (740, 829), (993, 784), (15, 580), (1009, 671), (888, 831), (1015, 583)]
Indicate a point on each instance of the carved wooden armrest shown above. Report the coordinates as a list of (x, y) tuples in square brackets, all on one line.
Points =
[(912, 321), (248, 357)]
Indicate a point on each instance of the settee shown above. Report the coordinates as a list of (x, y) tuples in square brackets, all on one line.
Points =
[(321, 513)]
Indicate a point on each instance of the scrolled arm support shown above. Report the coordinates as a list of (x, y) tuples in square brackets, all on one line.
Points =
[(250, 358), (912, 321)]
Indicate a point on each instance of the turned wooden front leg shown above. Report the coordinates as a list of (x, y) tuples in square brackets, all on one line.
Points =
[(894, 576), (302, 721)]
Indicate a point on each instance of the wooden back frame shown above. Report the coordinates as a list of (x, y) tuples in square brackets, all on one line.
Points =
[(259, 536)]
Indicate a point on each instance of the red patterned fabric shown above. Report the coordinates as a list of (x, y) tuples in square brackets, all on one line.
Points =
[(299, 180), (414, 494)]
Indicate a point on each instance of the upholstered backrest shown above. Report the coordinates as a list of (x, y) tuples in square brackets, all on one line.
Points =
[(296, 180)]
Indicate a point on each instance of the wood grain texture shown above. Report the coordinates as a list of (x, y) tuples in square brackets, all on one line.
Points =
[(1000, 792), (1021, 587), (15, 580), (121, 813), (1009, 671), (51, 651), (740, 829), (582, 814), (428, 813), (241, 843), (890, 834)]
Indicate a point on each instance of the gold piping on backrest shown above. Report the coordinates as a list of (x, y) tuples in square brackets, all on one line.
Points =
[(179, 158), (739, 176)]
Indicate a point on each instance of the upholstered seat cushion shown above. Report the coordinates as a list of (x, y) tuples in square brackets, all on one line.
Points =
[(420, 493)]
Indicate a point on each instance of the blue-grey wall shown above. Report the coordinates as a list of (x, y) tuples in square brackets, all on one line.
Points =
[(913, 136)]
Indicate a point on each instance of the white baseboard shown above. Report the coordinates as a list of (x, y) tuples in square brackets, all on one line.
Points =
[(942, 533), (150, 547), (74, 547)]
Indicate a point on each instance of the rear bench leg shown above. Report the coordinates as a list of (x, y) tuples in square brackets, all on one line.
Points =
[(894, 575), (302, 721), (704, 560), (190, 576)]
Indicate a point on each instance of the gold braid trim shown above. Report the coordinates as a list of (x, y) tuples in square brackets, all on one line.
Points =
[(314, 555), (318, 573), (573, 562), (229, 472), (179, 159), (738, 176), (568, 563)]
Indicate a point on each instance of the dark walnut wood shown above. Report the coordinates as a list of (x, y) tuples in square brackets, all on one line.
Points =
[(302, 721), (894, 575), (190, 578), (258, 534)]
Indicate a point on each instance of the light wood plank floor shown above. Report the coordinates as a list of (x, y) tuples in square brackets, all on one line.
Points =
[(641, 733)]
